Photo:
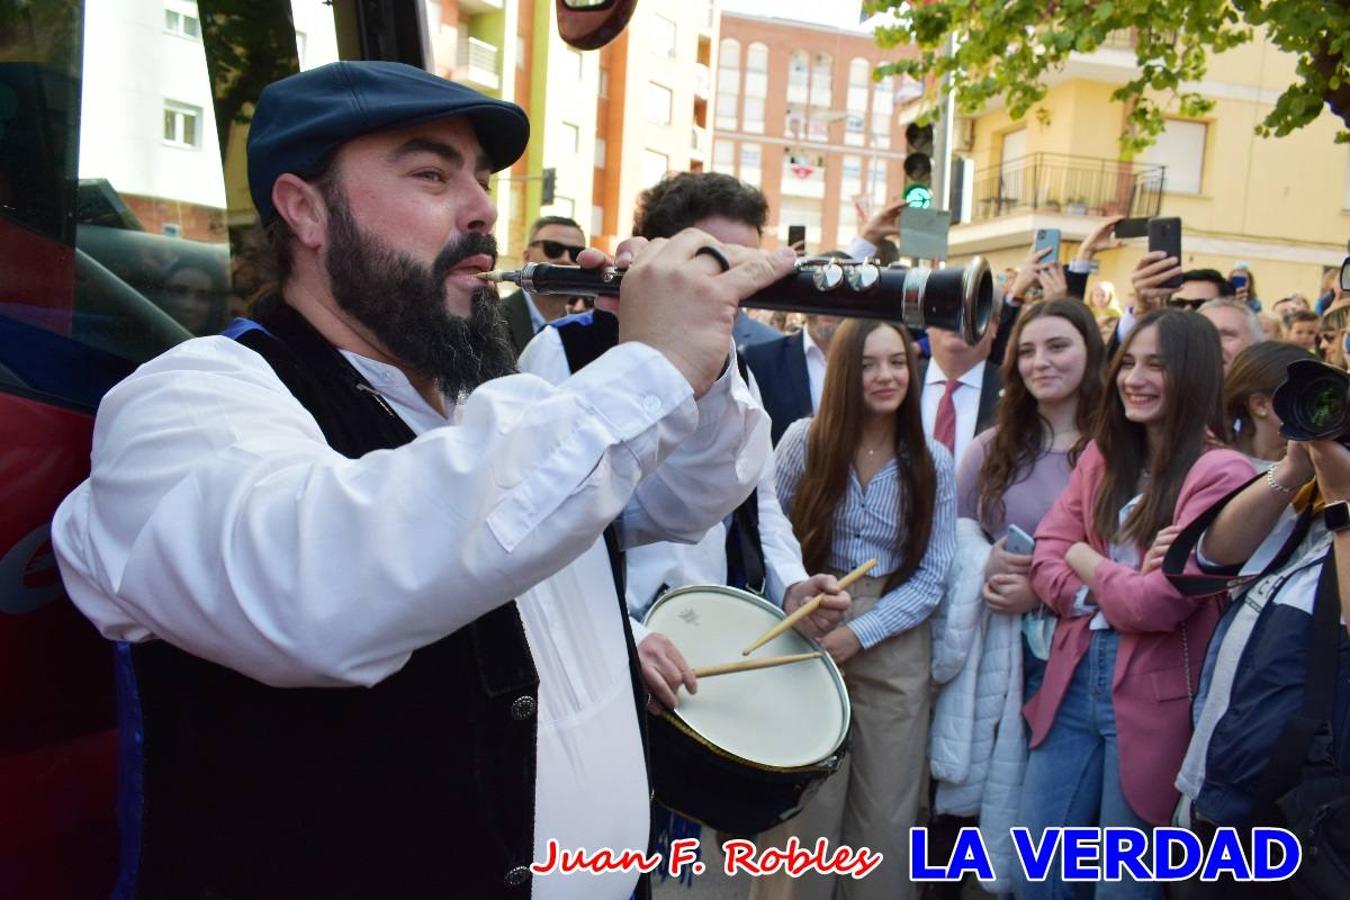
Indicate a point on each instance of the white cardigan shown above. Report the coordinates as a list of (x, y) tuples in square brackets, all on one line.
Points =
[(977, 744)]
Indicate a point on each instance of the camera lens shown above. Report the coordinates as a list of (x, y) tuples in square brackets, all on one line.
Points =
[(1312, 401)]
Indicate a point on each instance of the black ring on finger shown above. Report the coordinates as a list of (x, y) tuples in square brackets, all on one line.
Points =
[(715, 253)]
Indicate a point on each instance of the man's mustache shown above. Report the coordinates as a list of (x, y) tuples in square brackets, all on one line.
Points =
[(471, 243)]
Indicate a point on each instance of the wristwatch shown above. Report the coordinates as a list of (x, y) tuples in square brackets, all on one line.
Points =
[(1336, 516)]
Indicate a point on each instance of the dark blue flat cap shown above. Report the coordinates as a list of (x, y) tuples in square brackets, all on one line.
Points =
[(302, 118)]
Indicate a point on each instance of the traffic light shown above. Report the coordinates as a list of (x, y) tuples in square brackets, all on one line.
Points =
[(550, 186), (919, 165)]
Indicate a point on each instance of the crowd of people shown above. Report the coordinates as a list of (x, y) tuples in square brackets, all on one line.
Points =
[(377, 558)]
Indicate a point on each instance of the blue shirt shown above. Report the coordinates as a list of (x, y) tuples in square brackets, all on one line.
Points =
[(870, 523)]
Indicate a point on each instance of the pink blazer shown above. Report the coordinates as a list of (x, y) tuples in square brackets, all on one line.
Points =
[(1149, 688)]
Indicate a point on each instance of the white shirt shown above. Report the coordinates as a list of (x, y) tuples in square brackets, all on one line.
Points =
[(966, 400), (213, 492), (815, 367), (537, 320), (704, 561)]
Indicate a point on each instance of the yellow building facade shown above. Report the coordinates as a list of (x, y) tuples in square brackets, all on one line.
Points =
[(1281, 205)]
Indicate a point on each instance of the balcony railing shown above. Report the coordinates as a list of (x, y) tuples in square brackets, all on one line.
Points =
[(477, 63), (1077, 185)]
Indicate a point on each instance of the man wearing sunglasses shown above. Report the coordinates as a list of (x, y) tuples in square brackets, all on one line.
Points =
[(553, 239)]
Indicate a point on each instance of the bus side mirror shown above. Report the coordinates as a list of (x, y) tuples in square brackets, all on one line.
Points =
[(591, 24)]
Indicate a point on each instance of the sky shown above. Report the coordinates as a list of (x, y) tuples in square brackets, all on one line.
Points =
[(838, 13)]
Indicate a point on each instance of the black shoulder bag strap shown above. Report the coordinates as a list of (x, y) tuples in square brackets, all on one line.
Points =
[(1221, 579)]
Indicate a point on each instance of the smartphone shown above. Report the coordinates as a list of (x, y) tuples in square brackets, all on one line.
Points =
[(1048, 237), (1238, 282), (797, 235), (1165, 234), (1132, 228), (1018, 541)]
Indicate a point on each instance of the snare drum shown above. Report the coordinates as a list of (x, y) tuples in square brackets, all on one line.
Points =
[(745, 753)]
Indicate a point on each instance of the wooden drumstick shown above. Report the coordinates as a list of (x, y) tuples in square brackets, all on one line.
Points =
[(747, 665), (807, 608)]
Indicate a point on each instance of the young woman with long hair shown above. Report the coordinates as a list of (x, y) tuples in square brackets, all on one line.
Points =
[(1013, 472), (1251, 425), (1111, 721), (861, 480)]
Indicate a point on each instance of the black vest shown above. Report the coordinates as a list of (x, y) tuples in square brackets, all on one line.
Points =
[(421, 786), (584, 339)]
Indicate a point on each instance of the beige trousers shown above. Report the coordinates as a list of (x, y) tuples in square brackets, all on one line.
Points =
[(873, 800)]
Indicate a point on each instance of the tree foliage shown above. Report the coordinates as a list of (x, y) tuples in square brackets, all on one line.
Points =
[(1006, 48)]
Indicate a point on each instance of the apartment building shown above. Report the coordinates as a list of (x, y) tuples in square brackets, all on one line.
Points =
[(1281, 205), (798, 114)]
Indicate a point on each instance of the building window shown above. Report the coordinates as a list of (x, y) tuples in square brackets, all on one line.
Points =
[(1181, 147), (597, 220), (876, 182), (571, 139), (756, 86), (822, 80), (573, 64), (850, 190), (600, 148), (654, 166), (883, 104), (182, 124), (724, 157), (564, 206), (855, 123), (182, 19), (728, 84), (663, 36), (754, 115), (799, 77), (659, 102), (752, 164)]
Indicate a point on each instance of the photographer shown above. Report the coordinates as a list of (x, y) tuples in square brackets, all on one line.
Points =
[(1278, 534)]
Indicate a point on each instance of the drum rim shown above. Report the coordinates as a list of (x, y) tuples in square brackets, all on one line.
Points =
[(830, 762)]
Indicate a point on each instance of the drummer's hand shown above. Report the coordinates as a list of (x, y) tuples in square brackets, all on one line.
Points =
[(841, 644), (831, 610), (664, 669)]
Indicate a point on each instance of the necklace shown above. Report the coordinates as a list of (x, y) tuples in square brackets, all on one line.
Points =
[(871, 451)]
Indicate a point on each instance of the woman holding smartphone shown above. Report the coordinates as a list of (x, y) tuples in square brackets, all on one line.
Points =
[(1111, 721), (860, 481), (1013, 472)]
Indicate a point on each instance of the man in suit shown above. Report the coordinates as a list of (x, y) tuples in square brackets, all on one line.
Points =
[(791, 371), (553, 239), (961, 386)]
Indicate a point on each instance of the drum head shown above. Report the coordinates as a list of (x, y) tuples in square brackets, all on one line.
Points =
[(787, 716)]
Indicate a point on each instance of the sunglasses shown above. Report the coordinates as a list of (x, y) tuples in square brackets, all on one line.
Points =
[(1326, 337), (555, 249), (1180, 303)]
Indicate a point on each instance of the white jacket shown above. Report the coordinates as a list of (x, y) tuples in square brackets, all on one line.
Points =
[(977, 744)]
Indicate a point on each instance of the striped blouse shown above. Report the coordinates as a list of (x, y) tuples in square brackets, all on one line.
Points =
[(865, 527)]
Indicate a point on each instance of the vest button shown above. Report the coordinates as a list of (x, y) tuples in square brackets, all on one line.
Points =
[(523, 708), (517, 876)]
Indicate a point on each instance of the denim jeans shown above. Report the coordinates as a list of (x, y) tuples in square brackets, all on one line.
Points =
[(1073, 777)]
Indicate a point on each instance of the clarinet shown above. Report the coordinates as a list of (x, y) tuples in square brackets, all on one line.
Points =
[(958, 298)]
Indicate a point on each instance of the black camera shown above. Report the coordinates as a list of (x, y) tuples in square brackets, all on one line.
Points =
[(1313, 402)]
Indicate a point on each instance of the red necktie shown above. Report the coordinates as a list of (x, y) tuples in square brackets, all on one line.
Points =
[(944, 429)]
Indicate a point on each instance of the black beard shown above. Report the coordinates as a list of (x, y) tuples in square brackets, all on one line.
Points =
[(402, 303)]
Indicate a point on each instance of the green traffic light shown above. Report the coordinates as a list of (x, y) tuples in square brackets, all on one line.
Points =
[(918, 196)]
